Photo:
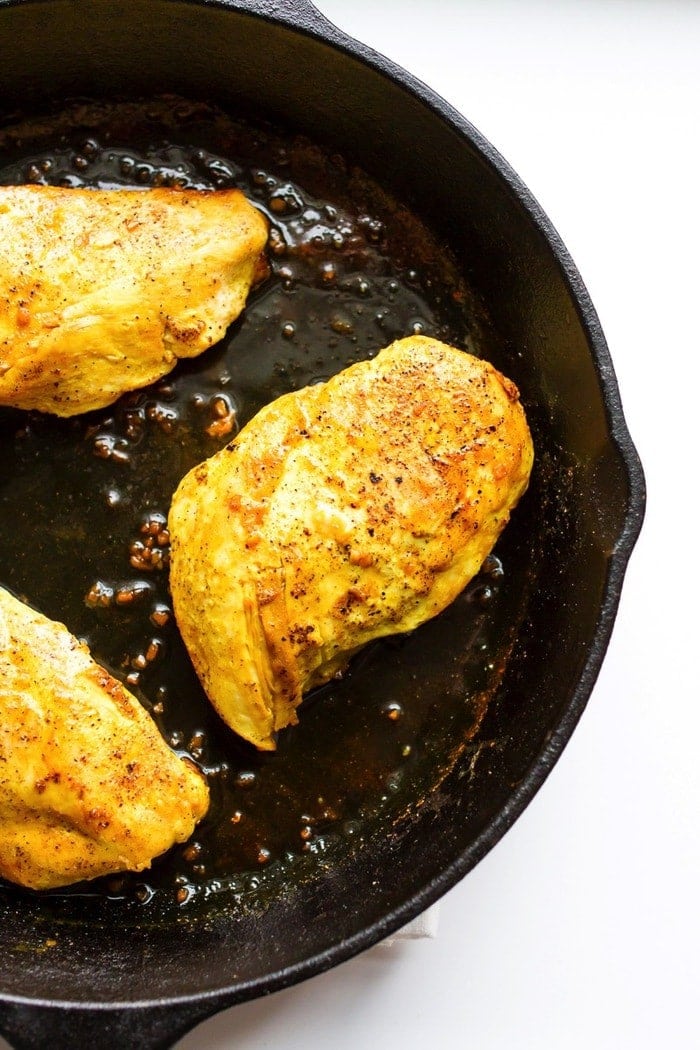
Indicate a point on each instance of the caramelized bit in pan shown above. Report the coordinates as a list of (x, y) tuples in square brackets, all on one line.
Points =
[(101, 291), (87, 784), (343, 512)]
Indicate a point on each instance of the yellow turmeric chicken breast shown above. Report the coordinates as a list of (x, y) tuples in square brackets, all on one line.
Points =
[(341, 513), (101, 291), (87, 784)]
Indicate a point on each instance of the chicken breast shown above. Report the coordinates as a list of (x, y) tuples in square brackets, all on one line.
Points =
[(87, 784), (341, 513), (102, 291)]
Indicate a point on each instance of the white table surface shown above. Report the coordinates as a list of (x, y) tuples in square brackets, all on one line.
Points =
[(581, 929)]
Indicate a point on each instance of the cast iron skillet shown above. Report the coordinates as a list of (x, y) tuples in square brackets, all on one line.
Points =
[(76, 967)]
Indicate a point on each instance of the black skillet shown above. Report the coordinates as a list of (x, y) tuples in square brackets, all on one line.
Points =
[(391, 214)]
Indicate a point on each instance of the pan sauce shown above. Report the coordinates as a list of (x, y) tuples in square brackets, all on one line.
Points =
[(83, 502)]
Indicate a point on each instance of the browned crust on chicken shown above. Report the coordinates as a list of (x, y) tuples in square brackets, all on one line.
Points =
[(341, 513), (102, 291), (87, 784)]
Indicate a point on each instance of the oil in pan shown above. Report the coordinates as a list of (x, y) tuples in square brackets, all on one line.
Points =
[(84, 502)]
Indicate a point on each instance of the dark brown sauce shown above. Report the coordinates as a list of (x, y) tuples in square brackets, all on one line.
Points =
[(83, 502)]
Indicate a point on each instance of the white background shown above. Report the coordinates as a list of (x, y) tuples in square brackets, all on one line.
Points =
[(581, 929)]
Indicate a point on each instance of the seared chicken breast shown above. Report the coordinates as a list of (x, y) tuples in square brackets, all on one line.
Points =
[(341, 513), (87, 784), (102, 291)]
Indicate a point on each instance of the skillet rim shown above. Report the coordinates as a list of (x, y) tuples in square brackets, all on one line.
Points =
[(300, 16)]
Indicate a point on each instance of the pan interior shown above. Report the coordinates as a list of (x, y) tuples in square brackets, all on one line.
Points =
[(350, 271)]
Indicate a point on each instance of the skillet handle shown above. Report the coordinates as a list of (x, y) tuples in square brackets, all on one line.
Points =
[(130, 1028)]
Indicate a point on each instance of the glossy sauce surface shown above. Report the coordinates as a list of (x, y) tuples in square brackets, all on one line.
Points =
[(84, 502)]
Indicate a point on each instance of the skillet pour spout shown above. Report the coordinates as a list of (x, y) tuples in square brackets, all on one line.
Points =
[(84, 966)]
